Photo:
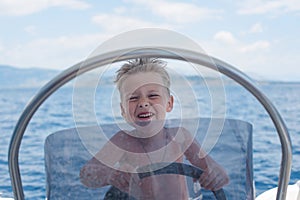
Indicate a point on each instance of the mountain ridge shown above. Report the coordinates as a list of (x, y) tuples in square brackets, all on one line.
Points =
[(14, 77)]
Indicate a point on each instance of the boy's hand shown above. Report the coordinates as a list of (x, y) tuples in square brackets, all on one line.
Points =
[(214, 176), (123, 179), (130, 183), (120, 180)]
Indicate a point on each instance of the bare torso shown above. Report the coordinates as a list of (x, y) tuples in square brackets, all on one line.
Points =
[(163, 149)]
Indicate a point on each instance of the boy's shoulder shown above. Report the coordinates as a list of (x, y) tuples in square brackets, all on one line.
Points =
[(123, 140)]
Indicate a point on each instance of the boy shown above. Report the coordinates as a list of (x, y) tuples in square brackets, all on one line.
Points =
[(145, 99)]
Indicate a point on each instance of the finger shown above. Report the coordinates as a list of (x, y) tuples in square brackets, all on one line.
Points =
[(120, 180), (203, 177), (217, 183), (208, 181), (135, 180), (220, 182), (208, 185), (125, 178), (122, 185)]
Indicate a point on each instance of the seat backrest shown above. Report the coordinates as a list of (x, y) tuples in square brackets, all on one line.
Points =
[(68, 150), (65, 154)]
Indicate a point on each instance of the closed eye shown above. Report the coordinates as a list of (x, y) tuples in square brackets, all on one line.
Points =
[(153, 96), (133, 98)]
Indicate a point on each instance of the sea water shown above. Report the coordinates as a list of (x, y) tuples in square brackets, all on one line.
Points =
[(57, 113)]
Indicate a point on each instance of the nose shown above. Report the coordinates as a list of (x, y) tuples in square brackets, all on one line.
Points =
[(143, 103)]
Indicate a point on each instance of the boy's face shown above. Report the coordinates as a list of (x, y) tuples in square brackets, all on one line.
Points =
[(144, 99)]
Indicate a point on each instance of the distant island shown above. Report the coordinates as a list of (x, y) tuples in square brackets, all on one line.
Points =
[(14, 77)]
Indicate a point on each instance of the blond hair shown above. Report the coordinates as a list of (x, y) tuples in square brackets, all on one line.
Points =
[(143, 65)]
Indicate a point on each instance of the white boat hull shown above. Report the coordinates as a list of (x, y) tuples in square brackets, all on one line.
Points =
[(293, 193)]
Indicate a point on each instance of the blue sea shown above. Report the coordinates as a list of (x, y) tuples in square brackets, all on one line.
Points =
[(56, 114)]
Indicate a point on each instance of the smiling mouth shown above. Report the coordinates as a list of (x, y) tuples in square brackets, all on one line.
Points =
[(144, 118), (145, 115)]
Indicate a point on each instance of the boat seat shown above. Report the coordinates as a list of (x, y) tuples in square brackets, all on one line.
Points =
[(66, 151)]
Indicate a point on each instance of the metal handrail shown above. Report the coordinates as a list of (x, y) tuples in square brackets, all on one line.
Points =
[(161, 52)]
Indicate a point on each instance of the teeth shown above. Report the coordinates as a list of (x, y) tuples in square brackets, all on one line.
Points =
[(145, 115)]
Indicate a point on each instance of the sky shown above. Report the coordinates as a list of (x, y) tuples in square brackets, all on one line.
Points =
[(259, 37)]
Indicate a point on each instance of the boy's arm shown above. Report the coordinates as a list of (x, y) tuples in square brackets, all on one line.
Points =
[(94, 174), (214, 176), (97, 171)]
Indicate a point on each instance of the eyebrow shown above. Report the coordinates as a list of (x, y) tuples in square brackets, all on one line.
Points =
[(135, 93)]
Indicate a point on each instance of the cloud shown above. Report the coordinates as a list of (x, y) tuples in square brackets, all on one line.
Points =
[(249, 7), (19, 8), (238, 46), (31, 30), (256, 46), (178, 12), (115, 23), (248, 56), (256, 28), (55, 53), (225, 37)]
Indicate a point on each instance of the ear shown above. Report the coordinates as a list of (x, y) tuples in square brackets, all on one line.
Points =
[(170, 104)]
